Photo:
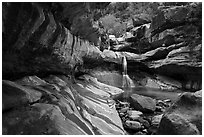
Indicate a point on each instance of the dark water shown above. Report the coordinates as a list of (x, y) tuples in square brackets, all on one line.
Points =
[(157, 93)]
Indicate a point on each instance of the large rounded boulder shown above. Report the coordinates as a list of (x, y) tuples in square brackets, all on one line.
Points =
[(184, 117)]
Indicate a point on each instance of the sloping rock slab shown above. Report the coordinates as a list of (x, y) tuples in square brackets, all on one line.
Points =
[(54, 105), (108, 77), (14, 95)]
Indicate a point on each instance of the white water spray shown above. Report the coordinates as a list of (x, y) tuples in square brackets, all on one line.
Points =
[(127, 82)]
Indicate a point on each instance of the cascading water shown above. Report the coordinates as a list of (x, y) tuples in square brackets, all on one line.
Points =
[(127, 83)]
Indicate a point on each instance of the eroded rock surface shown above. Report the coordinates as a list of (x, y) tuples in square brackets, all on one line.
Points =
[(54, 105), (62, 39)]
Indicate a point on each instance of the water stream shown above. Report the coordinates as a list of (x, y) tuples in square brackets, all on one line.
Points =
[(127, 83), (129, 88), (157, 93)]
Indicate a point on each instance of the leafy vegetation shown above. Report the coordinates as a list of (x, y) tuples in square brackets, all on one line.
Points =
[(118, 15)]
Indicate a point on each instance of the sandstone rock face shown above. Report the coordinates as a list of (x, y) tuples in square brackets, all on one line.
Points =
[(43, 45), (39, 44), (78, 17), (183, 64), (142, 103), (54, 105), (167, 29), (171, 17), (184, 117), (116, 57), (113, 78), (15, 95), (183, 56), (41, 40), (110, 78)]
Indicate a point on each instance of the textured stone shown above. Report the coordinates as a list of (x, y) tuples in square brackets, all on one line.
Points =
[(133, 114), (140, 133), (173, 25), (14, 95), (183, 64), (43, 45), (175, 16), (156, 120), (124, 110), (161, 52), (184, 117), (142, 103), (134, 125), (143, 122), (54, 105), (159, 109)]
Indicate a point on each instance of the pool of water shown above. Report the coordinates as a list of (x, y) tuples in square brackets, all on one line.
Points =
[(157, 93)]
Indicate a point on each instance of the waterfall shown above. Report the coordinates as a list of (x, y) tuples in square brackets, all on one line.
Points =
[(127, 83)]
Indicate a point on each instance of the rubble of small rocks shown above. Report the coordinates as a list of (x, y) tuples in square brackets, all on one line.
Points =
[(138, 122)]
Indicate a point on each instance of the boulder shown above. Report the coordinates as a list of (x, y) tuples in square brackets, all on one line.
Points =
[(184, 117), (134, 125), (159, 109), (124, 110), (154, 124), (144, 122), (140, 133), (133, 114), (162, 103), (54, 105), (152, 84), (156, 120), (143, 103)]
